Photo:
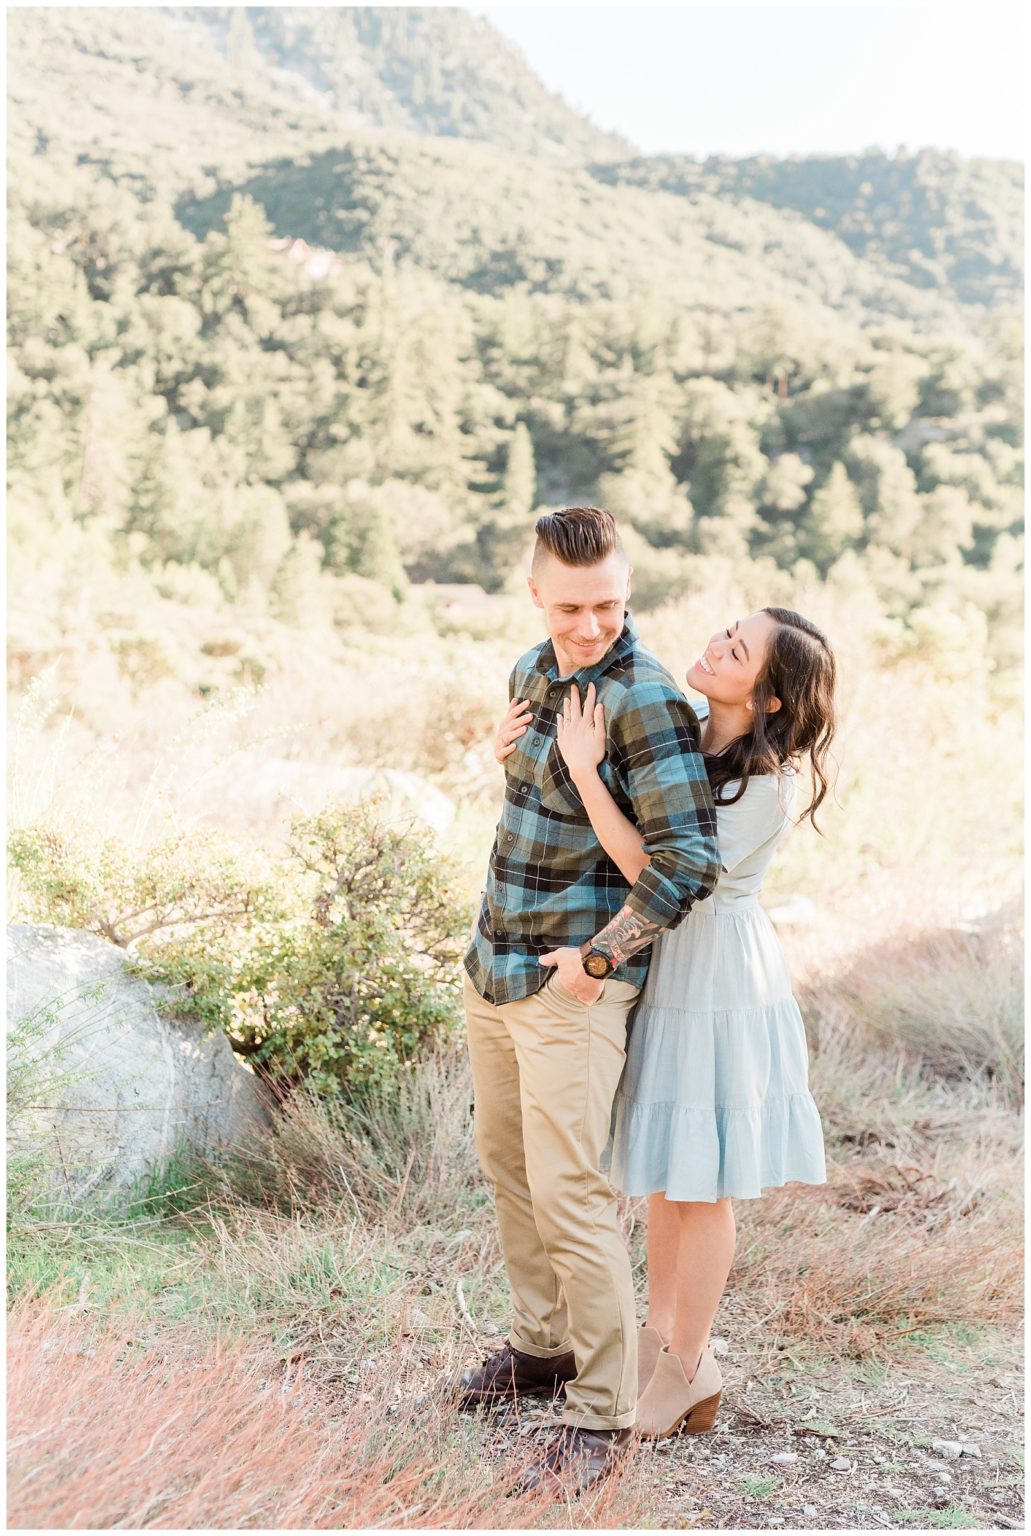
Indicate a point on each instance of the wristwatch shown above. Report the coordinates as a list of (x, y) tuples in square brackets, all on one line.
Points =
[(597, 964)]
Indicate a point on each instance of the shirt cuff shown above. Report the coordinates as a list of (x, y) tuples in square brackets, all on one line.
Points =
[(658, 899)]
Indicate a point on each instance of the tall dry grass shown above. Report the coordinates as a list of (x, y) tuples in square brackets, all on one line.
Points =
[(949, 1001), (105, 1431), (882, 1253), (917, 1068), (400, 1156)]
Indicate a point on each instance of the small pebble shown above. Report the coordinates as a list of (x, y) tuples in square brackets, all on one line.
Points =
[(841, 1464), (820, 1453), (784, 1457), (809, 1511), (971, 1450), (952, 1450)]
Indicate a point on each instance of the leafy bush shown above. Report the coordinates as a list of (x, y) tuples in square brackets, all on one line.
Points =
[(126, 894), (334, 963)]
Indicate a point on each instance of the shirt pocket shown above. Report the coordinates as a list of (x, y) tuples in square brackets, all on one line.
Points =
[(558, 792)]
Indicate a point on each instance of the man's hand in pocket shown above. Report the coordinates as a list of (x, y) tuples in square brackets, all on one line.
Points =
[(570, 971)]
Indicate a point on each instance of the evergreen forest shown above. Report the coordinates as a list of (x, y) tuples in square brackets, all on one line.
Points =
[(306, 300)]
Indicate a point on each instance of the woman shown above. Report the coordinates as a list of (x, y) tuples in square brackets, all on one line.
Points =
[(714, 1102)]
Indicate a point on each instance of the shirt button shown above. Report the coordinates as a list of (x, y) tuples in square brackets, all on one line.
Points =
[(509, 837), (537, 740), (525, 788)]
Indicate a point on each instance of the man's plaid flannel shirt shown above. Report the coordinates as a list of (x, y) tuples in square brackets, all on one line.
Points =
[(550, 882)]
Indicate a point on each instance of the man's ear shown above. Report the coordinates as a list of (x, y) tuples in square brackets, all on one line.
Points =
[(534, 593)]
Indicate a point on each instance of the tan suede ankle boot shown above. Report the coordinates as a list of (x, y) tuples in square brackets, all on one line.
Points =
[(649, 1342), (671, 1402)]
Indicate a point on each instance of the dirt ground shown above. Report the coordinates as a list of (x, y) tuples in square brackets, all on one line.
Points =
[(925, 1443)]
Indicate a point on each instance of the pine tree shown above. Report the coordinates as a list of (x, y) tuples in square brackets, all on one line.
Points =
[(374, 550), (500, 539), (833, 522)]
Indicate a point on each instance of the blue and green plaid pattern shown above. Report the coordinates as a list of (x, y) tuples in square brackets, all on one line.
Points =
[(550, 882)]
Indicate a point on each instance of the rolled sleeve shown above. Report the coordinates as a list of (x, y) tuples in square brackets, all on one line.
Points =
[(655, 734)]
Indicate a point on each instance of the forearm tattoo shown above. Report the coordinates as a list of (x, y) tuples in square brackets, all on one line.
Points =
[(625, 935)]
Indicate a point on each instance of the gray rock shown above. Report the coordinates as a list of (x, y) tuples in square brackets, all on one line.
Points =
[(841, 1464), (110, 1088), (952, 1450), (809, 1511), (783, 1458)]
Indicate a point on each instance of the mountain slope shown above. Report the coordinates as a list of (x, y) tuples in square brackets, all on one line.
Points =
[(436, 71), (933, 219), (168, 92), (491, 221)]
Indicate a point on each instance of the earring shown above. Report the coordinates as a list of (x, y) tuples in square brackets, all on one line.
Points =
[(749, 704)]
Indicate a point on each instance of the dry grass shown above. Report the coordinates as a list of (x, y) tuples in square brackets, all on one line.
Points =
[(875, 1256), (401, 1157), (107, 1432), (917, 1068), (950, 1000)]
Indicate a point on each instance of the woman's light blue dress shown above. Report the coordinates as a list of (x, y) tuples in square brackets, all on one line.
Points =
[(715, 1095)]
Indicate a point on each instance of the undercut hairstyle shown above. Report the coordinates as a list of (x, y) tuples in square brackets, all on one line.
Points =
[(799, 671), (576, 536)]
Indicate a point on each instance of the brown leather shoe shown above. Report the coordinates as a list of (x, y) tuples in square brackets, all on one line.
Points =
[(510, 1373), (575, 1459)]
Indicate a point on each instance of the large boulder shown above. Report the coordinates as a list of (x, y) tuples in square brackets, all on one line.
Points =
[(109, 1087)]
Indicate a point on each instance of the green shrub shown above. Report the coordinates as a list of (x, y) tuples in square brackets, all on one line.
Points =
[(127, 894), (335, 963)]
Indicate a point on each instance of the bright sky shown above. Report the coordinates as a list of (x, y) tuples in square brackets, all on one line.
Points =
[(742, 80)]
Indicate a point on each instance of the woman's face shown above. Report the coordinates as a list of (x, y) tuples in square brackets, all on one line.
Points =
[(728, 667)]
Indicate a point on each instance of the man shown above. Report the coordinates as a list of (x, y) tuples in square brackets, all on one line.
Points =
[(559, 955)]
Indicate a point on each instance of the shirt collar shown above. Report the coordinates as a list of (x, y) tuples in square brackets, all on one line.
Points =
[(628, 637)]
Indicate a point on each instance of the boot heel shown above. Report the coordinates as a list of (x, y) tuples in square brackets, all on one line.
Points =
[(702, 1416)]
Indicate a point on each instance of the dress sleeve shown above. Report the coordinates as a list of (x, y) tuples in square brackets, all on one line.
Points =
[(761, 814)]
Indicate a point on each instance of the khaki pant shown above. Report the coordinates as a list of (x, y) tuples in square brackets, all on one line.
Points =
[(545, 1071)]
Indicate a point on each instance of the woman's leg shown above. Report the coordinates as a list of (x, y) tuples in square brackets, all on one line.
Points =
[(663, 1248), (703, 1257)]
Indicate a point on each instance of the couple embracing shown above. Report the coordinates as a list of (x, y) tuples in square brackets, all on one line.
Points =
[(630, 815)]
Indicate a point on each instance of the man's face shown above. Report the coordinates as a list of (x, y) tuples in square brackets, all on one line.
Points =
[(584, 606)]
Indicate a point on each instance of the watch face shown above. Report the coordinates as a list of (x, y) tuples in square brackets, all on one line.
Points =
[(597, 966)]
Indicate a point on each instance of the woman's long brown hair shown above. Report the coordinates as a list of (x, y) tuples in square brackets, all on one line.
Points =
[(799, 671)]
